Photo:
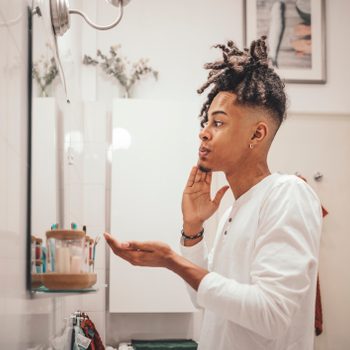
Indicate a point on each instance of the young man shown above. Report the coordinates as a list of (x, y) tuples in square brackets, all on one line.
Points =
[(257, 286)]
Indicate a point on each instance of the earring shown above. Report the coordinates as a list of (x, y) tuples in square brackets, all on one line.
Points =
[(251, 146)]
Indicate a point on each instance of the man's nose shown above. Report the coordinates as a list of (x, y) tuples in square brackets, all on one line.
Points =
[(204, 134)]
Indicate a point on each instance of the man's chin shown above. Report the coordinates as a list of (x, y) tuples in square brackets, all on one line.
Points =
[(203, 168)]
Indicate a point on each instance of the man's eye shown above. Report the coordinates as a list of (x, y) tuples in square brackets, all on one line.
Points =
[(218, 123)]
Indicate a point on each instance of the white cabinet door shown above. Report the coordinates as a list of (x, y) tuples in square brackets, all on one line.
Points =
[(155, 144)]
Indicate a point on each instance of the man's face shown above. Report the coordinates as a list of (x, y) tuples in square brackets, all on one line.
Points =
[(226, 136)]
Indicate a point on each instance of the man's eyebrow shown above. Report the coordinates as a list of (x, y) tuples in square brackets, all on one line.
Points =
[(218, 112)]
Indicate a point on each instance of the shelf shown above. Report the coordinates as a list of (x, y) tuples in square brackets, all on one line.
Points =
[(45, 292)]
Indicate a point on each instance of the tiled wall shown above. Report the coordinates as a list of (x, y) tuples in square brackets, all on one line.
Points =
[(84, 156)]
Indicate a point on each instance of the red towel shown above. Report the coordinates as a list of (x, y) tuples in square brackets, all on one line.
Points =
[(318, 306), (318, 311), (91, 332)]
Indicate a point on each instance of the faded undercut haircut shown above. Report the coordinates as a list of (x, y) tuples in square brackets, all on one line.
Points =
[(247, 74)]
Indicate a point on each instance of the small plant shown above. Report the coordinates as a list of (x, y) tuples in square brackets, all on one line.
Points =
[(118, 67), (44, 72)]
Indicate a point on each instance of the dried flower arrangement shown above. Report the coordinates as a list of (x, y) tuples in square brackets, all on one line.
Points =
[(44, 72), (120, 68)]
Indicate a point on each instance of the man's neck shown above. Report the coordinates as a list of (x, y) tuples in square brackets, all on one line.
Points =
[(244, 179)]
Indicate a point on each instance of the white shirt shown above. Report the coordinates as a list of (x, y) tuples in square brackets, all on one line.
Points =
[(260, 291)]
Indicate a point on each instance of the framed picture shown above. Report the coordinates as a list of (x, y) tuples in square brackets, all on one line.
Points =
[(295, 31)]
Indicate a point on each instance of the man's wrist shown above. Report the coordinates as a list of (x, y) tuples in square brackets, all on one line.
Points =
[(170, 260), (190, 272), (189, 240), (192, 237), (191, 229)]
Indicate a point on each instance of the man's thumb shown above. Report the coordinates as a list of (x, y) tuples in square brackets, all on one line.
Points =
[(220, 194)]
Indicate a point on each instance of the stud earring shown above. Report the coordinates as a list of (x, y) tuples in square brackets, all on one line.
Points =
[(251, 146)]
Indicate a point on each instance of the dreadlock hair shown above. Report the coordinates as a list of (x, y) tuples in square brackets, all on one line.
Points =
[(247, 74)]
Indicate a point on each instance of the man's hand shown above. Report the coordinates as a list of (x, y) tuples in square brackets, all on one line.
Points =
[(153, 254), (157, 254), (197, 206)]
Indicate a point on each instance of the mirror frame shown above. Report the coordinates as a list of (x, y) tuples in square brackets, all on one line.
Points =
[(29, 149)]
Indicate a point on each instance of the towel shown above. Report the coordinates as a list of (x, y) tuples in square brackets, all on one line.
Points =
[(176, 344)]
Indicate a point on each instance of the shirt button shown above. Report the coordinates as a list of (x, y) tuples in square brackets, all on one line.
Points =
[(230, 219), (225, 233)]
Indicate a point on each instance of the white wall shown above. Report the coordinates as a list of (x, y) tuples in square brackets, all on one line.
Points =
[(177, 35)]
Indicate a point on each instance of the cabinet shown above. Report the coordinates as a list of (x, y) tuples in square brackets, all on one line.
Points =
[(155, 144)]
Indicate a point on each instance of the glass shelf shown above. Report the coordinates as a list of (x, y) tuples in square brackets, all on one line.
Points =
[(43, 291), (59, 284)]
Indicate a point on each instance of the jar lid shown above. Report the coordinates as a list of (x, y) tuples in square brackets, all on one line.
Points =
[(65, 234)]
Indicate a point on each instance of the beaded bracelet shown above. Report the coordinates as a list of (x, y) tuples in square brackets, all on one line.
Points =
[(198, 235)]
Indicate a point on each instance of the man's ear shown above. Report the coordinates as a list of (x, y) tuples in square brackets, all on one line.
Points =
[(260, 132)]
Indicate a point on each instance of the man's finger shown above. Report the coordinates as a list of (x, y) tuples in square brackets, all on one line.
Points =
[(208, 177), (134, 257), (110, 240), (192, 176), (114, 243), (198, 176), (127, 246), (140, 246)]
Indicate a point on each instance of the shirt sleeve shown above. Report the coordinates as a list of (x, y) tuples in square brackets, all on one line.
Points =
[(197, 254), (284, 264)]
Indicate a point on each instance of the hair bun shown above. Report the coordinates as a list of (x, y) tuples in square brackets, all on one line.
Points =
[(258, 52)]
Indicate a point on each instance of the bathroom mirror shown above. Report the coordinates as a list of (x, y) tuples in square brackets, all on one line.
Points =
[(42, 66), (84, 154), (57, 156)]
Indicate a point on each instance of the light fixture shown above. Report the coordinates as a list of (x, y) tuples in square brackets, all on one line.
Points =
[(56, 15)]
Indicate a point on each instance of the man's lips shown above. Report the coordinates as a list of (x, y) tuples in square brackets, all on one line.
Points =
[(203, 151)]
